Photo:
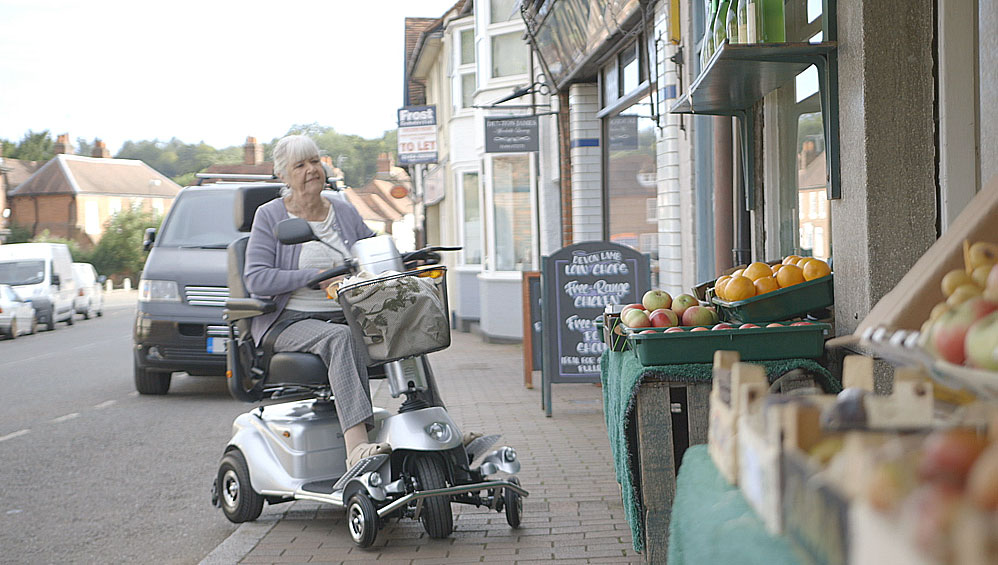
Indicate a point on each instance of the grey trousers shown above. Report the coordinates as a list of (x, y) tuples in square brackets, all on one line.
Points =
[(347, 372)]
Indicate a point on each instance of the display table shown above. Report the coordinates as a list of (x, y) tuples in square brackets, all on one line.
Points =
[(652, 415), (712, 522)]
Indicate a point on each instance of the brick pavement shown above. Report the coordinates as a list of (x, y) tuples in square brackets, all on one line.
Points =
[(573, 513)]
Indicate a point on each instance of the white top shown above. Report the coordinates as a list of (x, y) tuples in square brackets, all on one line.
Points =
[(315, 255)]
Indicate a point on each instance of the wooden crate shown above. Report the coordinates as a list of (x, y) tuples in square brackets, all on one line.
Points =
[(729, 376)]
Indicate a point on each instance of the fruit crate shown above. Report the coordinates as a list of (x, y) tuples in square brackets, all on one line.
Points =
[(610, 332), (753, 344), (782, 304)]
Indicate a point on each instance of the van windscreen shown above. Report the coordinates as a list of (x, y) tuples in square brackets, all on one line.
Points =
[(28, 271), (200, 219)]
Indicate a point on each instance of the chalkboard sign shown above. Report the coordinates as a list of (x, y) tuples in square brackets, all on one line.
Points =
[(532, 346), (579, 281)]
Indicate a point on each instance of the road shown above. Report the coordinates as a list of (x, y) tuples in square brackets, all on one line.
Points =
[(91, 472)]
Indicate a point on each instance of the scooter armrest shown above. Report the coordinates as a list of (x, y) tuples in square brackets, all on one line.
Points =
[(242, 308)]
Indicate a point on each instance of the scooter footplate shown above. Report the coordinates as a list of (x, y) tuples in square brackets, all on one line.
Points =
[(319, 487), (364, 465), (480, 446)]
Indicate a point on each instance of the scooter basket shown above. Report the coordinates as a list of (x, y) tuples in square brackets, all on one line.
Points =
[(400, 315)]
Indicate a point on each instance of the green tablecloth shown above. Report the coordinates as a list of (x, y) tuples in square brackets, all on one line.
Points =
[(621, 374), (712, 522)]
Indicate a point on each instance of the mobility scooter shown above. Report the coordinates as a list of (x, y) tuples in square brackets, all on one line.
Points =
[(292, 448)]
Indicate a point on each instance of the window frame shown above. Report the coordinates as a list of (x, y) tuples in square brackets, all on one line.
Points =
[(488, 223), (461, 70), (459, 174)]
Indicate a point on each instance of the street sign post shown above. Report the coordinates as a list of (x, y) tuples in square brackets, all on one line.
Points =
[(417, 135)]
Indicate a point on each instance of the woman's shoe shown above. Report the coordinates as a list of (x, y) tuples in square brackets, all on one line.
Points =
[(364, 450)]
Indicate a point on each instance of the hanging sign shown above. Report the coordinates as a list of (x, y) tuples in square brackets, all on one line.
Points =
[(511, 135), (417, 135)]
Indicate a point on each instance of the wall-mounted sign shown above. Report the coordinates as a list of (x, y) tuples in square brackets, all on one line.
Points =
[(511, 135), (433, 185), (417, 135)]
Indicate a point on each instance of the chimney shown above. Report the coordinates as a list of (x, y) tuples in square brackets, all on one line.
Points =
[(100, 150), (62, 145), (252, 152), (384, 163)]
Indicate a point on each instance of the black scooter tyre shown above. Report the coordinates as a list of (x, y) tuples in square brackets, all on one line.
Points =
[(513, 504), (362, 520), (239, 502), (436, 515)]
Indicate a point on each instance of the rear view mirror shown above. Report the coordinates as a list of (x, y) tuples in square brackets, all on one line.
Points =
[(149, 238), (102, 279), (294, 230), (56, 281)]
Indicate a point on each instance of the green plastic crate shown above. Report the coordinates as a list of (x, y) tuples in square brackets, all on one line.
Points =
[(615, 341), (753, 344), (777, 305)]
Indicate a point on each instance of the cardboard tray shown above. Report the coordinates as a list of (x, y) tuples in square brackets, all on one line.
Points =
[(752, 344), (609, 331), (782, 304)]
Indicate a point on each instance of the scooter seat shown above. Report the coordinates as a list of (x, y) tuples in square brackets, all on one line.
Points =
[(296, 368)]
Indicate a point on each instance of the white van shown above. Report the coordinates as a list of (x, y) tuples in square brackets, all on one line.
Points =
[(43, 274)]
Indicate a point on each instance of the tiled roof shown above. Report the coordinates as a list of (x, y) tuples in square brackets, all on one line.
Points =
[(265, 168), (16, 171), (415, 91), (75, 174)]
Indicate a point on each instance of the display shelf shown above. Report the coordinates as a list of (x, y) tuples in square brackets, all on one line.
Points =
[(738, 76)]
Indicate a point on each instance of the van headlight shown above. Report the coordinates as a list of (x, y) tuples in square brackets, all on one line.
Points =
[(158, 291)]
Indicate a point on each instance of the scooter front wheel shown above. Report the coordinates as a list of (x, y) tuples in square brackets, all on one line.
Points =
[(362, 520), (240, 503), (436, 515), (514, 505)]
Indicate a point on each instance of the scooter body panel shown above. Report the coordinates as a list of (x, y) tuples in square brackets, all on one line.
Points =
[(412, 430)]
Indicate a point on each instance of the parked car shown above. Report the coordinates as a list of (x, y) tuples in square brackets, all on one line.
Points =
[(17, 316), (43, 274), (89, 299), (183, 288)]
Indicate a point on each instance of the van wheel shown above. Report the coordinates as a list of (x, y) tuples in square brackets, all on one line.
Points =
[(151, 382), (69, 320), (50, 321), (34, 324), (13, 328)]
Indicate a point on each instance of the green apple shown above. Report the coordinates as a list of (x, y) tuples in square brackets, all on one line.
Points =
[(981, 343)]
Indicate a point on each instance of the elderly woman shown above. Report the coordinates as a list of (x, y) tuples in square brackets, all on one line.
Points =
[(302, 318)]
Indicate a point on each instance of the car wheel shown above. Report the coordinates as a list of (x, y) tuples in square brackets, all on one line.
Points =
[(34, 324), (86, 311), (148, 381), (69, 320), (239, 502), (13, 328)]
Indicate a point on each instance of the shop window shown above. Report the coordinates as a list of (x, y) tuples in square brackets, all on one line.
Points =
[(467, 39), (471, 202), (502, 11), (629, 186), (629, 63), (512, 213), (812, 183), (625, 75), (510, 55)]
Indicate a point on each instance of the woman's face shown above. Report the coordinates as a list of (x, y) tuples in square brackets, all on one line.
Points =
[(306, 176)]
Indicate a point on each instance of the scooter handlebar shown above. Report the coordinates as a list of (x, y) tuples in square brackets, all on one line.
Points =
[(313, 282)]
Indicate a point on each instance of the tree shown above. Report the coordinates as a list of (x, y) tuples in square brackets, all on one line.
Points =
[(119, 251), (84, 147), (33, 147)]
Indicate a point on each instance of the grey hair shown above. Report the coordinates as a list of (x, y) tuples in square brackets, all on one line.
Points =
[(292, 149)]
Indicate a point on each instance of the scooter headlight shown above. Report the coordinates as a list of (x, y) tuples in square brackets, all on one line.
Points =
[(374, 480), (439, 431), (509, 454)]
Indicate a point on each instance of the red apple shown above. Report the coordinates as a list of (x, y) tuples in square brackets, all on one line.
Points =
[(698, 316), (747, 326), (950, 332), (663, 318), (723, 326), (774, 325), (700, 329), (635, 318), (648, 332), (674, 330), (656, 299), (801, 324), (682, 302), (630, 307), (947, 456)]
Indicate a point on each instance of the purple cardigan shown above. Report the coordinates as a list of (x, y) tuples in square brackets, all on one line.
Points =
[(272, 268)]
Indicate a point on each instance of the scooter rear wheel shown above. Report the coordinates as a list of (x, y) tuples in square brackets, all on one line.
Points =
[(436, 515), (362, 520), (513, 503), (240, 503)]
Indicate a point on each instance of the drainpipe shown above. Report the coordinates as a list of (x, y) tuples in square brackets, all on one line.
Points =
[(565, 148), (723, 195)]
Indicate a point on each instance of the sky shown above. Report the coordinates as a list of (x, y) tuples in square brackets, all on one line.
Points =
[(210, 70)]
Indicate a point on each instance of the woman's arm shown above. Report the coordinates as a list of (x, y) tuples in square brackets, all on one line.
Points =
[(263, 275)]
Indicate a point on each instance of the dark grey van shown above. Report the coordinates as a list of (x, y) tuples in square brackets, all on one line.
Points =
[(178, 322)]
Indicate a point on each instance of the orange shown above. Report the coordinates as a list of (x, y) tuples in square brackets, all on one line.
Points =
[(757, 270), (789, 275), (803, 261), (815, 269), (765, 284), (738, 273), (777, 267), (791, 259), (739, 288), (719, 285)]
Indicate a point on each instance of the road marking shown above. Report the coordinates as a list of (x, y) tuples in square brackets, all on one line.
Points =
[(104, 404), (133, 393), (65, 418), (63, 352), (14, 435)]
